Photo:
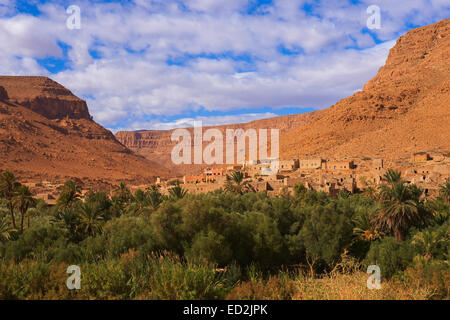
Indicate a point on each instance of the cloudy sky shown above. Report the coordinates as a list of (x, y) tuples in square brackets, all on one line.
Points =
[(156, 64)]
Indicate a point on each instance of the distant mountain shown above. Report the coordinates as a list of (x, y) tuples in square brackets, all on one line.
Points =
[(47, 133), (157, 144)]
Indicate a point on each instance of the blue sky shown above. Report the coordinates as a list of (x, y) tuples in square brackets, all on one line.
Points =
[(158, 64)]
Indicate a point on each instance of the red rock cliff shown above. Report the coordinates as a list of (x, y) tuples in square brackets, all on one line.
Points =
[(44, 96)]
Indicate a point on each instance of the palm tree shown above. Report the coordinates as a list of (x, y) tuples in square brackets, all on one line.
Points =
[(235, 183), (370, 192), (428, 241), (122, 193), (91, 219), (22, 200), (155, 198), (5, 230), (444, 193), (398, 211), (440, 210), (177, 192), (69, 218), (393, 176), (364, 227), (8, 186), (70, 194), (139, 204)]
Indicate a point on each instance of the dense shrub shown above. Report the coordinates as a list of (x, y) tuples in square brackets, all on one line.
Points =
[(391, 256), (149, 246), (174, 279), (430, 275)]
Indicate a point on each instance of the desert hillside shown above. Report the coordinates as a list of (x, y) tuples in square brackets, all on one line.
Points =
[(47, 133), (404, 109)]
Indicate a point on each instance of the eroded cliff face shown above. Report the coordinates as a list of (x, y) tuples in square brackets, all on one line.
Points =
[(47, 133), (405, 108), (44, 96), (3, 94)]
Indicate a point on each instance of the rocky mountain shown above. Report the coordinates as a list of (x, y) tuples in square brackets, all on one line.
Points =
[(47, 133), (404, 109)]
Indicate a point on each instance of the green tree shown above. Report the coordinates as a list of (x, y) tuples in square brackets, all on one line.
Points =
[(364, 227), (140, 203), (393, 176), (69, 219), (430, 241), (235, 183), (390, 255), (91, 220), (399, 210), (370, 192), (8, 186), (5, 230), (122, 193), (155, 198), (444, 193), (70, 194), (23, 200), (326, 232), (177, 192)]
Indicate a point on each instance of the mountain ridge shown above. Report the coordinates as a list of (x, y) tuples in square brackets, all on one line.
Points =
[(47, 133), (389, 118)]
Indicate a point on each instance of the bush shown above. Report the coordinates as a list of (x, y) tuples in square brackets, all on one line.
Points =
[(431, 275), (172, 278), (326, 232), (33, 280), (211, 247), (391, 256)]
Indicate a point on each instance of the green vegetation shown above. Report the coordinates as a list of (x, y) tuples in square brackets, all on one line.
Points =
[(236, 183), (230, 244)]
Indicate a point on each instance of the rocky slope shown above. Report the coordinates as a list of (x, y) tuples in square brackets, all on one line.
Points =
[(45, 96), (404, 109), (47, 133)]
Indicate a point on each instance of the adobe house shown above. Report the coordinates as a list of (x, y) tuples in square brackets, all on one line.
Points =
[(289, 165), (419, 157), (311, 164), (340, 165), (212, 173), (47, 197), (193, 179), (208, 175)]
